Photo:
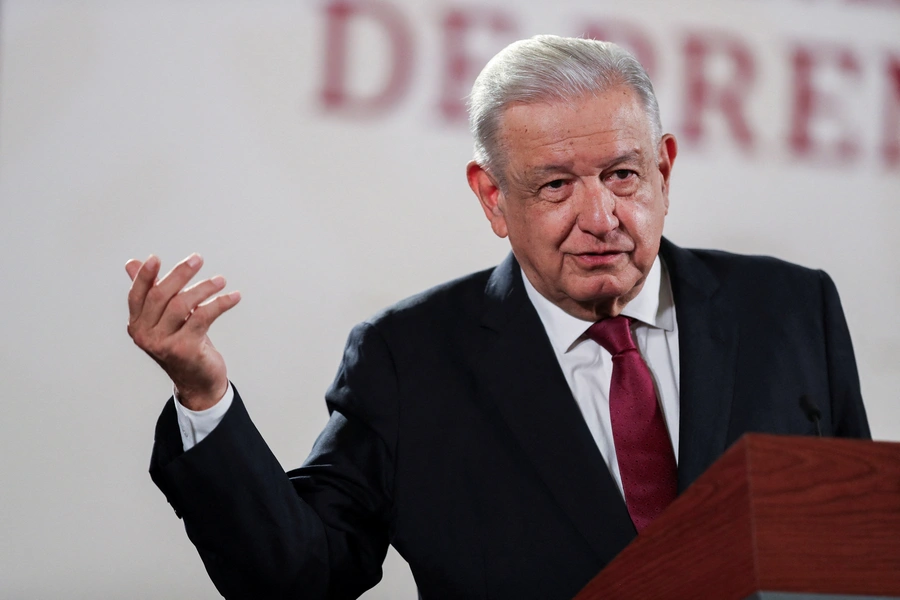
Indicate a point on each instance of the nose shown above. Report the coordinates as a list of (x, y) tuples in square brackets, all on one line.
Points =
[(597, 209)]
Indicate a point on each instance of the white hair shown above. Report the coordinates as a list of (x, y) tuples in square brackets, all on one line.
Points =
[(550, 68)]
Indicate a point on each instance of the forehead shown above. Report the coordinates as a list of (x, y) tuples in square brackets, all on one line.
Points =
[(590, 129)]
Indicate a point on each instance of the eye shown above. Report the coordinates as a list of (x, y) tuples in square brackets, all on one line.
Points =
[(556, 190), (622, 182)]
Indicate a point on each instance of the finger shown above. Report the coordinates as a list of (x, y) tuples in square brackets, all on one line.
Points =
[(204, 315), (143, 281), (181, 306), (132, 267), (159, 296)]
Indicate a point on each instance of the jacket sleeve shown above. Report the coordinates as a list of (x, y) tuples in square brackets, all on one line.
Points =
[(848, 415), (320, 531)]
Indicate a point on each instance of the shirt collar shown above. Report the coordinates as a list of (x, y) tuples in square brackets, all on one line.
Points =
[(653, 306)]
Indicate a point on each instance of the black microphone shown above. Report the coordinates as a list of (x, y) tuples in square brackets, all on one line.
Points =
[(812, 412)]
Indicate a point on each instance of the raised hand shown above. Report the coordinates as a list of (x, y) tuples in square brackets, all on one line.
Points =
[(170, 323)]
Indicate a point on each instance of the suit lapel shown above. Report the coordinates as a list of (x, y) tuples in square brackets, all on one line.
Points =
[(708, 342), (525, 385)]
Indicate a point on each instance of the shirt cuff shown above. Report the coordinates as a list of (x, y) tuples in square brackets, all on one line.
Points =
[(195, 425)]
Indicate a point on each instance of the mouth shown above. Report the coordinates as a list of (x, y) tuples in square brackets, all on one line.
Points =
[(593, 260)]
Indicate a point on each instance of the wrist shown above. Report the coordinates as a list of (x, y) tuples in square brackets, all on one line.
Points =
[(199, 400)]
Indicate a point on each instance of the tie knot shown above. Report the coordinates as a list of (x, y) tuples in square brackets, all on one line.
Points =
[(613, 334)]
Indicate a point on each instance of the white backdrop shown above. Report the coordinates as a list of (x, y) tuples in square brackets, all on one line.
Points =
[(203, 125)]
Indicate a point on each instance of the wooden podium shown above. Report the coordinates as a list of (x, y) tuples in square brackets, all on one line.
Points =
[(775, 517)]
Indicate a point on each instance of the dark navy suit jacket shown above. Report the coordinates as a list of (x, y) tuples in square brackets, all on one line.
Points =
[(454, 436)]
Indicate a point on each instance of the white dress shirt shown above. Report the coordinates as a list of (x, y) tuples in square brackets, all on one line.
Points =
[(195, 425), (586, 366)]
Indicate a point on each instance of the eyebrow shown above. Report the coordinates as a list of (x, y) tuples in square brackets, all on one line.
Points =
[(627, 156), (543, 170), (548, 169), (631, 155)]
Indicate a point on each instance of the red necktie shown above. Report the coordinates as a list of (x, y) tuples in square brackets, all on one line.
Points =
[(643, 449)]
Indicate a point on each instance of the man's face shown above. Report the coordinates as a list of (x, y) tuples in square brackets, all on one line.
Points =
[(585, 200)]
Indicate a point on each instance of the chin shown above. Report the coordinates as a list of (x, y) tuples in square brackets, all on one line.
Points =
[(604, 290)]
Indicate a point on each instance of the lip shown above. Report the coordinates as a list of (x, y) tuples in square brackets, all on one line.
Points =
[(593, 260)]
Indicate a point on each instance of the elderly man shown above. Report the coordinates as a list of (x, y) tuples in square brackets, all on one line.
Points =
[(509, 432)]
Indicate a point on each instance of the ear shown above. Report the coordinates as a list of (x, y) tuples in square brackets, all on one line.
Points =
[(490, 196), (668, 149)]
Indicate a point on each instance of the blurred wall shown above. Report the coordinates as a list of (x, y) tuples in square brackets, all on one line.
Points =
[(314, 153)]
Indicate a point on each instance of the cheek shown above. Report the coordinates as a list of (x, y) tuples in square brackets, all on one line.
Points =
[(644, 219), (547, 225), (644, 224)]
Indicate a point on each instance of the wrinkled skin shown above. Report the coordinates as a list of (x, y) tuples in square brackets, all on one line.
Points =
[(585, 198), (170, 323)]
